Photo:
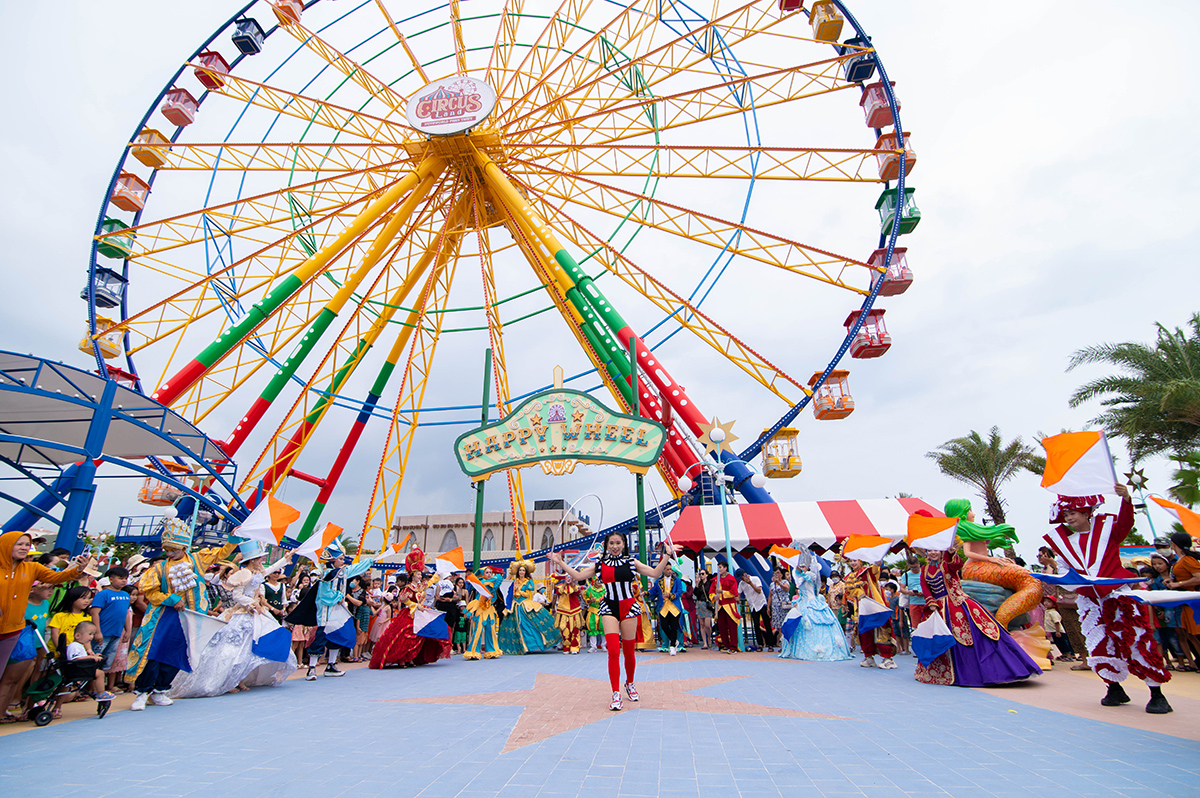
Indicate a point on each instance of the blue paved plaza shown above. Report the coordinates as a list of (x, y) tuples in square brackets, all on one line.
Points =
[(538, 726)]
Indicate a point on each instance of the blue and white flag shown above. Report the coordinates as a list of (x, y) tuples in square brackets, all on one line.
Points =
[(1072, 579), (872, 614), (180, 636), (506, 590), (271, 641), (792, 622), (931, 639), (1169, 598), (430, 623), (339, 629)]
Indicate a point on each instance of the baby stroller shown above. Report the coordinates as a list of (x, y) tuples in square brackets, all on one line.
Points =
[(61, 676)]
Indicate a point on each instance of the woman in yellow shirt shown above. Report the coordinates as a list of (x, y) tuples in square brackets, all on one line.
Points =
[(71, 612)]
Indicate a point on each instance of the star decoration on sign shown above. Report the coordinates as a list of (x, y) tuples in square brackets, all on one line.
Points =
[(578, 416), (1136, 478), (559, 703), (712, 446), (536, 420)]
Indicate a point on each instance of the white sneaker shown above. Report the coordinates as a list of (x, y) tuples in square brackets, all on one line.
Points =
[(888, 664), (161, 700), (311, 676), (615, 706), (672, 651), (139, 702), (869, 662)]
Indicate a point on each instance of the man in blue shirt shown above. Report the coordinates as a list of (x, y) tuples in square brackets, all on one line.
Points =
[(910, 586), (111, 612)]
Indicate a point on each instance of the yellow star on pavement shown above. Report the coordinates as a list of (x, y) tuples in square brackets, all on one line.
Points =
[(559, 703)]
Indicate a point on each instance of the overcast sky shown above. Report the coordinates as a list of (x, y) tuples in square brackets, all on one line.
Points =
[(1057, 176)]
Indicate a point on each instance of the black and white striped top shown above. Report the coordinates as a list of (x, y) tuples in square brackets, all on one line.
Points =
[(617, 575)]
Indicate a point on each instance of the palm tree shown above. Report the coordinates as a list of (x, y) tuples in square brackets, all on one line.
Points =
[(1187, 487), (1154, 403), (986, 464)]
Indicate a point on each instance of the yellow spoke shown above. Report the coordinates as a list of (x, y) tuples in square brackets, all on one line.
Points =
[(403, 41), (702, 228), (310, 109), (742, 162), (347, 157)]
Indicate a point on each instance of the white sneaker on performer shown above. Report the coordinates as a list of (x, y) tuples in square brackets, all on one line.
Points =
[(616, 702), (888, 664), (311, 676), (869, 662), (139, 701), (630, 691), (672, 651), (160, 700)]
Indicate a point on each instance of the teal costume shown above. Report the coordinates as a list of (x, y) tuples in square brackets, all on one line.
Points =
[(527, 627)]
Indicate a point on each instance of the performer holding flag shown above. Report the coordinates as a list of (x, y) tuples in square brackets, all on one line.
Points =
[(324, 606), (620, 610), (1119, 630)]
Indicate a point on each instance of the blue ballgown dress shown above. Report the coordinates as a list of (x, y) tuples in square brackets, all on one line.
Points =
[(818, 636), (527, 627)]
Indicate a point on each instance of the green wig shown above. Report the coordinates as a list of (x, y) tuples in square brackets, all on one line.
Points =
[(995, 536)]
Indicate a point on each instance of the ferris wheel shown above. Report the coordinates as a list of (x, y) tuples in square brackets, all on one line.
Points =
[(336, 206)]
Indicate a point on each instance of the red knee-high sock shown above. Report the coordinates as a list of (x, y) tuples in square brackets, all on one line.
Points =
[(613, 642), (630, 662)]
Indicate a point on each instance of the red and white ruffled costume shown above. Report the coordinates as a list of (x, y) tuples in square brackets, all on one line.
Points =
[(1118, 629)]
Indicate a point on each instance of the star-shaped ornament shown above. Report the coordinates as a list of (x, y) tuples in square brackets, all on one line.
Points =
[(536, 420), (578, 416), (713, 446), (1136, 478)]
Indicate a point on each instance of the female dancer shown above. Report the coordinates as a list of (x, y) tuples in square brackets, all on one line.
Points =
[(527, 627), (620, 611), (228, 663), (400, 645), (819, 637), (985, 653)]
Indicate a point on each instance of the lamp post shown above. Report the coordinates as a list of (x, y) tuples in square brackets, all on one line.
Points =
[(717, 438)]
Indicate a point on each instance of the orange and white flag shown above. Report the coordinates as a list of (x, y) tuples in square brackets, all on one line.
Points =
[(1190, 519), (268, 522), (399, 547), (868, 548), (1078, 464), (789, 556), (479, 586), (316, 544), (935, 534), (449, 562)]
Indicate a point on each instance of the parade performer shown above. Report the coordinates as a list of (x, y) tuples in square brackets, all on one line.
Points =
[(982, 567), (863, 580), (984, 653), (527, 627), (617, 569), (400, 645), (645, 633), (723, 592), (324, 605), (229, 662), (667, 597), (1118, 629), (174, 583), (593, 595), (816, 633), (484, 640), (568, 612)]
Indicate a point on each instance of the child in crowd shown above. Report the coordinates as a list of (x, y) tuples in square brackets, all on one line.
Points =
[(70, 612), (1054, 626), (80, 662), (110, 612), (382, 617)]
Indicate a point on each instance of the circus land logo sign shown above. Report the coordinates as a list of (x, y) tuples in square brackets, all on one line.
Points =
[(450, 105), (564, 426)]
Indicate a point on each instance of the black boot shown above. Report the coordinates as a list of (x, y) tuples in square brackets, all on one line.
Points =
[(1115, 697), (1158, 702)]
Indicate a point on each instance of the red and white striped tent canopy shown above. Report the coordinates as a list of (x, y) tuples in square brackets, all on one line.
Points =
[(794, 523)]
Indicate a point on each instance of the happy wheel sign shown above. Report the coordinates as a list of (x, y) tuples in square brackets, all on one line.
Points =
[(560, 425)]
